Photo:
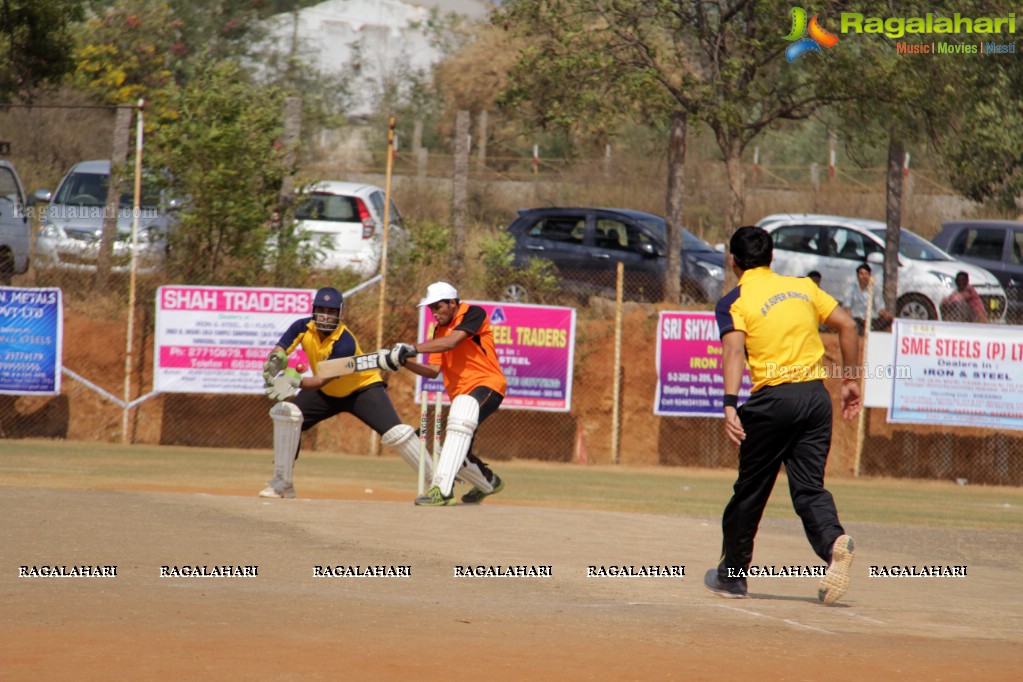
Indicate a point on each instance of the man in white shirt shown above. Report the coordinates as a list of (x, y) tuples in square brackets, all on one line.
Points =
[(855, 300)]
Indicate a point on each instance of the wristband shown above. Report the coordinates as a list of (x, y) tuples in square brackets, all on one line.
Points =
[(731, 400), (845, 379)]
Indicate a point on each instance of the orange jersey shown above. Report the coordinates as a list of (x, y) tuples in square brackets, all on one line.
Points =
[(473, 362)]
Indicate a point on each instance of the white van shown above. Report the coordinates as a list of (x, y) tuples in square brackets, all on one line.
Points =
[(346, 219), (835, 245)]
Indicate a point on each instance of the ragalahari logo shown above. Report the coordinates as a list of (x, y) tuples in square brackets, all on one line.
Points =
[(817, 39)]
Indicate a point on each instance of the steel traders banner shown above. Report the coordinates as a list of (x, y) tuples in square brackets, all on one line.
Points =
[(31, 330), (216, 339), (957, 374), (690, 382), (536, 348)]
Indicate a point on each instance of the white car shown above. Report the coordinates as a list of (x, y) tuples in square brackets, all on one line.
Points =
[(835, 245), (346, 220)]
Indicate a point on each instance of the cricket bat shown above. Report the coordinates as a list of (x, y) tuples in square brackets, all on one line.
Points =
[(338, 367)]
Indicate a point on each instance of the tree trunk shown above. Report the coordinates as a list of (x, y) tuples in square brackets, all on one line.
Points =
[(460, 194), (674, 206), (118, 157), (893, 216), (736, 199)]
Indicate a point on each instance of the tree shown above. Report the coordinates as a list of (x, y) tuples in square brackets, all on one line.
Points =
[(125, 53), (221, 154), (903, 99), (590, 63), (35, 43), (984, 158)]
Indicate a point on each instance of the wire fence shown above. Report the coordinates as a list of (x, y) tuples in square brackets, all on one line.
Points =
[(88, 407)]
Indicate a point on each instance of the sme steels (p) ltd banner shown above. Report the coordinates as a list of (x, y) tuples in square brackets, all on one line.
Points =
[(536, 348), (216, 339), (31, 330), (690, 382), (957, 374)]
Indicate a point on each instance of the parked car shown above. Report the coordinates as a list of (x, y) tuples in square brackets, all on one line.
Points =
[(14, 227), (586, 245), (346, 220), (996, 246), (835, 245), (71, 229)]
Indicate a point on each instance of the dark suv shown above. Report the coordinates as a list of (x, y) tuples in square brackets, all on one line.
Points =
[(996, 246), (586, 245)]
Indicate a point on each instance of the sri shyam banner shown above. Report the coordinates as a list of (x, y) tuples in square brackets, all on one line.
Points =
[(957, 374), (690, 382), (31, 330)]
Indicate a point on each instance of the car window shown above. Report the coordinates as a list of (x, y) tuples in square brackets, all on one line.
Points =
[(90, 189), (612, 234), (377, 199), (83, 189), (984, 243), (9, 188), (1017, 247), (328, 207), (849, 244), (800, 238), (561, 229)]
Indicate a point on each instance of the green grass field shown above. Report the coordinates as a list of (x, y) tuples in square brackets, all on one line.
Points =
[(648, 490)]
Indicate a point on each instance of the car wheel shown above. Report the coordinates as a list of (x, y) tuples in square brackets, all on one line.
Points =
[(516, 293), (916, 307)]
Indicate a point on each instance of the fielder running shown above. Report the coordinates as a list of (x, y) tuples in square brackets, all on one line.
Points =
[(363, 394), (462, 349)]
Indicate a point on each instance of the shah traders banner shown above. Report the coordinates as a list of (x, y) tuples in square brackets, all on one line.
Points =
[(957, 374), (536, 348), (690, 382), (216, 339), (31, 330)]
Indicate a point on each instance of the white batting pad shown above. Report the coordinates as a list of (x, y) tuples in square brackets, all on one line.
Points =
[(287, 433), (472, 474), (403, 439), (463, 417)]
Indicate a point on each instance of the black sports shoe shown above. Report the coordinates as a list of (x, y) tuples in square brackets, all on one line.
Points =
[(475, 496), (729, 589)]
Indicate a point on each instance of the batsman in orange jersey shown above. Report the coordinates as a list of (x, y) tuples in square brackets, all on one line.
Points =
[(462, 350)]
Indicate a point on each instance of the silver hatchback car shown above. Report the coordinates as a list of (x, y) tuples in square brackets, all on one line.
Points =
[(70, 232)]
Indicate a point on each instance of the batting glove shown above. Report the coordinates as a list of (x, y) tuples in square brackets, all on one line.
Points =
[(277, 361), (284, 385)]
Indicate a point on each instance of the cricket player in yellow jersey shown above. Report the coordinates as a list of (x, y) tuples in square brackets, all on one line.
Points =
[(304, 402), (771, 322), (462, 350)]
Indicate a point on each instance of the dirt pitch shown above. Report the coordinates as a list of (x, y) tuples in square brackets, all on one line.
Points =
[(286, 624)]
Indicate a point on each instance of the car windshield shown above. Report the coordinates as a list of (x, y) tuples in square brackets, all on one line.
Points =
[(915, 247), (690, 242), (90, 189)]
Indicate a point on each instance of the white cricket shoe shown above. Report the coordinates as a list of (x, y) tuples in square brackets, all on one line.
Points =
[(278, 488)]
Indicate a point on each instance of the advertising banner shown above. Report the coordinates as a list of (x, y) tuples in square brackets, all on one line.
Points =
[(957, 374), (536, 348), (690, 382), (216, 339), (31, 330)]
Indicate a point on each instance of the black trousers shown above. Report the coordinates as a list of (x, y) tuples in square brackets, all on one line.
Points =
[(489, 401), (371, 405), (791, 425)]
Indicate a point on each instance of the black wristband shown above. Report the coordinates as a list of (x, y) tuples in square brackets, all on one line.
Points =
[(731, 400)]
